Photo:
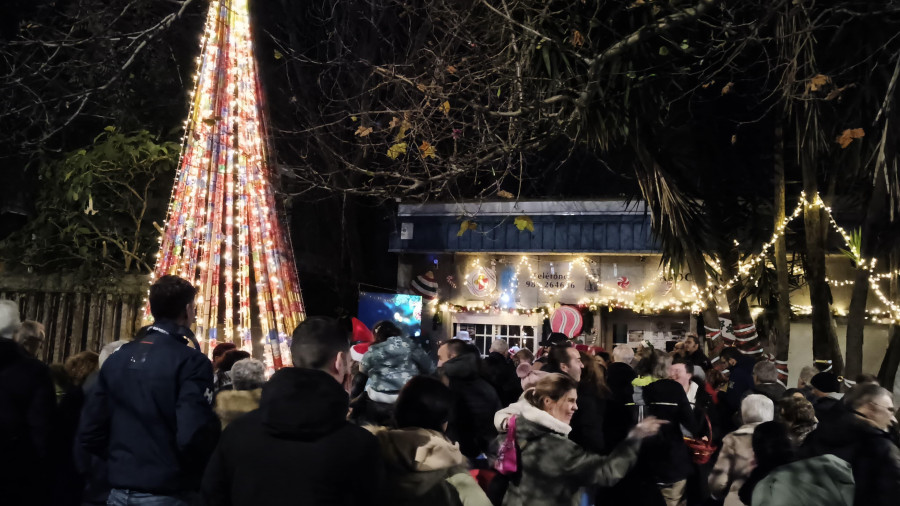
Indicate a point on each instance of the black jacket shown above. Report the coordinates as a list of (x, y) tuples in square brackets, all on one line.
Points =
[(828, 409), (500, 372), (474, 404), (872, 455), (665, 455), (587, 422), (297, 448), (619, 416), (150, 413), (27, 409)]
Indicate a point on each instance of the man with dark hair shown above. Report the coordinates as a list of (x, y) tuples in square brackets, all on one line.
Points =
[(474, 400), (587, 422), (740, 378), (297, 446), (150, 412), (859, 435), (500, 372)]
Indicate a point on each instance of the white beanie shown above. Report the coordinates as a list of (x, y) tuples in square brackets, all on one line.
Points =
[(9, 318)]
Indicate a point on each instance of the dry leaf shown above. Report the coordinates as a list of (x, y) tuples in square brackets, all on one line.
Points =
[(395, 122), (734, 139), (362, 131), (524, 223), (848, 135), (445, 108), (727, 88), (466, 225), (427, 150), (577, 39), (278, 55), (396, 150), (817, 82), (505, 194), (404, 126), (421, 87), (707, 85), (451, 69)]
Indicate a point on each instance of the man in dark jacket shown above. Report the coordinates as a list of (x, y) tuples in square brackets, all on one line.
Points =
[(765, 381), (500, 372), (826, 391), (27, 406), (298, 447), (740, 379), (474, 400), (150, 413), (859, 436), (587, 422)]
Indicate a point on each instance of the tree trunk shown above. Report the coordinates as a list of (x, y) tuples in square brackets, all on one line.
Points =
[(826, 351), (887, 374), (783, 313), (711, 336), (741, 319), (856, 317)]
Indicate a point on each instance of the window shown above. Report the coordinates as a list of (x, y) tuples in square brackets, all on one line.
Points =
[(483, 334)]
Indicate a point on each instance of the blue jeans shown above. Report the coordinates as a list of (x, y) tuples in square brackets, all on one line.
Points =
[(119, 497)]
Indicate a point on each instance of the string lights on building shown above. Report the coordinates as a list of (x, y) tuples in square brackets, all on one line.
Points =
[(223, 232), (697, 300)]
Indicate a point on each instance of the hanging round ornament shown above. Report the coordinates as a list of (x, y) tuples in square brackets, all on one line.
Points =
[(425, 285), (566, 320), (481, 282)]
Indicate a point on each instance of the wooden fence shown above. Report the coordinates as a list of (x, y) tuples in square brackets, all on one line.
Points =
[(77, 317)]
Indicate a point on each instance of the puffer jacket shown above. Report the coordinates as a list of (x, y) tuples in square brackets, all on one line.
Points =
[(552, 468), (231, 404), (390, 364), (426, 468), (734, 465), (818, 481)]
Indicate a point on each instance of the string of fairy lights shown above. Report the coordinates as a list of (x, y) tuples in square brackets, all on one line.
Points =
[(696, 300), (222, 228)]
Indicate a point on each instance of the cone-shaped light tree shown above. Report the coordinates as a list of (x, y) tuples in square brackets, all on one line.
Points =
[(223, 231)]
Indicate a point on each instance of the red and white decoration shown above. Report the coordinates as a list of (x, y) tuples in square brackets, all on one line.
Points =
[(425, 285), (566, 320)]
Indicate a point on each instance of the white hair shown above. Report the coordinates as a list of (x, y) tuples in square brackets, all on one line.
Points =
[(500, 346), (623, 353), (248, 374), (756, 408), (9, 318)]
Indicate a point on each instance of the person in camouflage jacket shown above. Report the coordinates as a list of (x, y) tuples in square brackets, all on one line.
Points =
[(551, 468), (391, 362)]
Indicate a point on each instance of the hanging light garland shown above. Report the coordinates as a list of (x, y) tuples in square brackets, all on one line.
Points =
[(222, 230), (696, 301)]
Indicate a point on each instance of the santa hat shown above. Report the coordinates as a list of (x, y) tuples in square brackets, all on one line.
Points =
[(361, 333), (358, 350), (513, 350), (425, 285)]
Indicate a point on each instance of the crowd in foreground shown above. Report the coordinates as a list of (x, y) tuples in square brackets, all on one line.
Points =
[(373, 420)]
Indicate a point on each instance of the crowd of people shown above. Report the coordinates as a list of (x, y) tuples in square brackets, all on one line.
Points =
[(370, 419)]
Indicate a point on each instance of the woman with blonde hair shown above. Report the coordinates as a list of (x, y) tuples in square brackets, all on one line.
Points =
[(552, 468)]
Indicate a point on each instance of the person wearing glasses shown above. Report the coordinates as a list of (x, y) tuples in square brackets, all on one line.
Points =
[(860, 436)]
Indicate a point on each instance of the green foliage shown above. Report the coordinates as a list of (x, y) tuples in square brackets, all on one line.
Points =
[(96, 207)]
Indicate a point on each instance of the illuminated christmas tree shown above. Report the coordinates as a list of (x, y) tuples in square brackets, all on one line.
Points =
[(222, 231)]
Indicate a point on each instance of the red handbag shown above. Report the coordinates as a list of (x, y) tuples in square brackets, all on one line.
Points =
[(701, 451)]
